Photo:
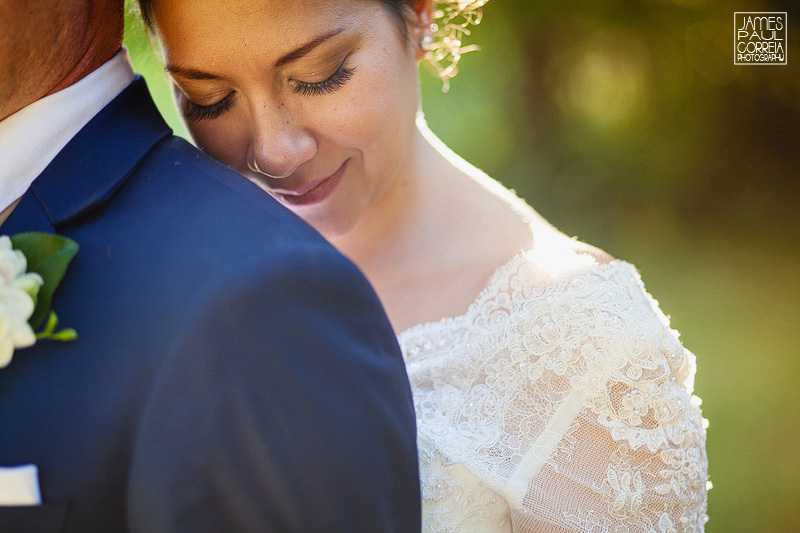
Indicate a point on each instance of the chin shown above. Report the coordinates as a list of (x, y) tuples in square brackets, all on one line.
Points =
[(332, 226)]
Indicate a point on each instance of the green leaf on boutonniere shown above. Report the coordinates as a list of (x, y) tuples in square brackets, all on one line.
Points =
[(48, 255), (49, 331)]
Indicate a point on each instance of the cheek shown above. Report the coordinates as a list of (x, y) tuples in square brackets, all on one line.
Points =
[(221, 139), (377, 115), (392, 112)]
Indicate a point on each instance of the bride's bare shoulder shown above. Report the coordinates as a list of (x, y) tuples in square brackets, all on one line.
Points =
[(501, 224), (600, 256), (547, 238)]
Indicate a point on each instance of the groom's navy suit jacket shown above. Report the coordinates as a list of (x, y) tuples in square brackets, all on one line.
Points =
[(233, 372)]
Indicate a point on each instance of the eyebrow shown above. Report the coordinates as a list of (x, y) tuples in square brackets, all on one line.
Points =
[(294, 55), (191, 74), (306, 48)]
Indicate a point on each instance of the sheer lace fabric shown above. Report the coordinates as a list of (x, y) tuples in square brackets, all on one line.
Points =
[(561, 401)]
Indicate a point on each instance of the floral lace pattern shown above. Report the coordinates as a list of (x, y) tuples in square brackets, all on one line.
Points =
[(456, 501), (560, 401)]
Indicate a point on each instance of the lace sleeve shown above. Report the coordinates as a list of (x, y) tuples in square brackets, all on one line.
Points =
[(581, 414), (623, 440)]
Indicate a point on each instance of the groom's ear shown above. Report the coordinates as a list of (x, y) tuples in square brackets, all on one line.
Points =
[(421, 20)]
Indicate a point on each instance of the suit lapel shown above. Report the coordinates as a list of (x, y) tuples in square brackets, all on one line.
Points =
[(29, 215), (93, 165)]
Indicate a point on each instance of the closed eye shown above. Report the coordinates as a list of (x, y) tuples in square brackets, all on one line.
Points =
[(196, 112), (333, 83)]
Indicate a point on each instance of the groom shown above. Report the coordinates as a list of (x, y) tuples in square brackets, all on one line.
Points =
[(233, 372)]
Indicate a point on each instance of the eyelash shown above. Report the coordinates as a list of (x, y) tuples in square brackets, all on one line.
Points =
[(330, 85), (197, 112)]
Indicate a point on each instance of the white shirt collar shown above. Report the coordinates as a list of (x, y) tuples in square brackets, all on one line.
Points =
[(33, 136)]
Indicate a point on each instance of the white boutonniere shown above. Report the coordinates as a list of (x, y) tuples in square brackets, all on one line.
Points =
[(31, 267)]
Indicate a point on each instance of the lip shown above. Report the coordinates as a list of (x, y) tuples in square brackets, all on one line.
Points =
[(314, 192)]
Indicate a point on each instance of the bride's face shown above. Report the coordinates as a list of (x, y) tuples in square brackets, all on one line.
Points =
[(312, 100)]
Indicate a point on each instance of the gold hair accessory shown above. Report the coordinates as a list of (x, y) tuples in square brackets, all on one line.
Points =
[(452, 19)]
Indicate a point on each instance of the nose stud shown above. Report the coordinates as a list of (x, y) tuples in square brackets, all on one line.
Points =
[(253, 166)]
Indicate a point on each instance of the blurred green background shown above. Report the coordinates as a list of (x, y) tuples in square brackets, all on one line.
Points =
[(627, 124)]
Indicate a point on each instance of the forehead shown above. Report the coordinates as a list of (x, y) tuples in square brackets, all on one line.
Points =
[(237, 24)]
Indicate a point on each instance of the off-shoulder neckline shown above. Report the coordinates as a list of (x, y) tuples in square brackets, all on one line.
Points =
[(497, 277)]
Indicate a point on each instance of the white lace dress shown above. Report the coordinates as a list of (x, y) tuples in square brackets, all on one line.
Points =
[(560, 401)]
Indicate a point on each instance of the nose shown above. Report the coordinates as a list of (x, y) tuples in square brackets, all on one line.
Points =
[(280, 142)]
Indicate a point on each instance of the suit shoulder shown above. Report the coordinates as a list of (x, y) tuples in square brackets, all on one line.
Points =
[(177, 165), (181, 196)]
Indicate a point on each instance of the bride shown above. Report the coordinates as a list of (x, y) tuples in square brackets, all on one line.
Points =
[(551, 393)]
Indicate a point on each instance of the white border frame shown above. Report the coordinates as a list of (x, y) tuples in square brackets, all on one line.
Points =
[(786, 35)]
